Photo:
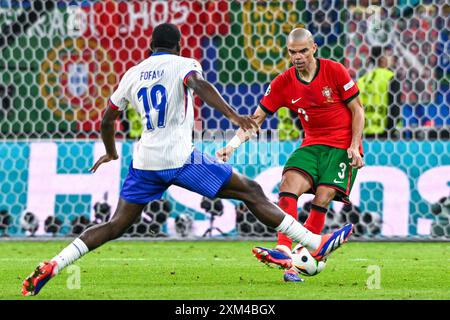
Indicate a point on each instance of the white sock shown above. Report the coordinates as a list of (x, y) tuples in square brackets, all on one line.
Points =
[(294, 230), (69, 254)]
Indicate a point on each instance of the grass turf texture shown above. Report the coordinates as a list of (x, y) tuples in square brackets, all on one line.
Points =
[(227, 270)]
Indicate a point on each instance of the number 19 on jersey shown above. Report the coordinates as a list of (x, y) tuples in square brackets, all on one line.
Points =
[(154, 97)]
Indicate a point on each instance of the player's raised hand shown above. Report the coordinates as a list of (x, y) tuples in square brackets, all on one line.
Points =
[(225, 153), (103, 159), (245, 122), (357, 161)]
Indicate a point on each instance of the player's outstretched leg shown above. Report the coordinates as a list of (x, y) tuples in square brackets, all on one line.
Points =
[(125, 215), (241, 188)]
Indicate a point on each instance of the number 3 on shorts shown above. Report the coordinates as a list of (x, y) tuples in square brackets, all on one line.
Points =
[(341, 174)]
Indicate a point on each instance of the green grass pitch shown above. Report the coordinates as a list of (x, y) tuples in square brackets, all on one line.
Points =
[(227, 270)]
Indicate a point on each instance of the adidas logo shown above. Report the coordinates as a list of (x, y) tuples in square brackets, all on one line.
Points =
[(335, 243)]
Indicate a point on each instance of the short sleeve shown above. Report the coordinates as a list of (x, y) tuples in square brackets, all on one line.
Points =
[(120, 97), (273, 97), (347, 87), (191, 67)]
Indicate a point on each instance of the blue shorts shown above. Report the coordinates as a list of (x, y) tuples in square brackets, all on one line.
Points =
[(201, 174)]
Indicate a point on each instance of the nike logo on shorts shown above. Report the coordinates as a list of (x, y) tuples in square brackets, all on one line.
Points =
[(294, 101)]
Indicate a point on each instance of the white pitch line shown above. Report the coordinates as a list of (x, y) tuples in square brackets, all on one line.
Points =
[(100, 259), (109, 259), (166, 258)]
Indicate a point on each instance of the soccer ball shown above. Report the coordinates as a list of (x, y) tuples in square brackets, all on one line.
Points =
[(304, 263)]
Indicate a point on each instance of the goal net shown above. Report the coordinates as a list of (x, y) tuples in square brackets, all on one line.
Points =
[(61, 60)]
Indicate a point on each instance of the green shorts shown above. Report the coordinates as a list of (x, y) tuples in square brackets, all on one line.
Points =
[(324, 166)]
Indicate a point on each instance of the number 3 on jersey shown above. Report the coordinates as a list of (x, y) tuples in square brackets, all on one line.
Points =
[(158, 101)]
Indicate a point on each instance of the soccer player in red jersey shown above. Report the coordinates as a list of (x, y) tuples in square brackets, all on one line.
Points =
[(326, 100)]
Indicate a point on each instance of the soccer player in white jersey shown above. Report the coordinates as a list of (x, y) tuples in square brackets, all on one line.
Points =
[(161, 89)]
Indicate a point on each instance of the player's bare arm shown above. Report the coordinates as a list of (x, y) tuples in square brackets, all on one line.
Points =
[(108, 131), (357, 110), (209, 94), (241, 136)]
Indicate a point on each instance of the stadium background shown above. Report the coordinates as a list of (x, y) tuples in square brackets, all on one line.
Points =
[(61, 60)]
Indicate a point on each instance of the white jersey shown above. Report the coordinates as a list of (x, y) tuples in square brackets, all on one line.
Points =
[(156, 89)]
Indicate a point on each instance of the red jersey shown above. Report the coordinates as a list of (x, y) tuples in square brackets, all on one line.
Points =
[(321, 104)]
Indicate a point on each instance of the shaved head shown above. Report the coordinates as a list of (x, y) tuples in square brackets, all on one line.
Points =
[(300, 35), (301, 49)]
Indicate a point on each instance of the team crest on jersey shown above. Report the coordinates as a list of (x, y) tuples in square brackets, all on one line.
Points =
[(326, 91)]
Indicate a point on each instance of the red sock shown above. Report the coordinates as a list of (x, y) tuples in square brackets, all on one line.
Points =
[(316, 219), (287, 202)]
